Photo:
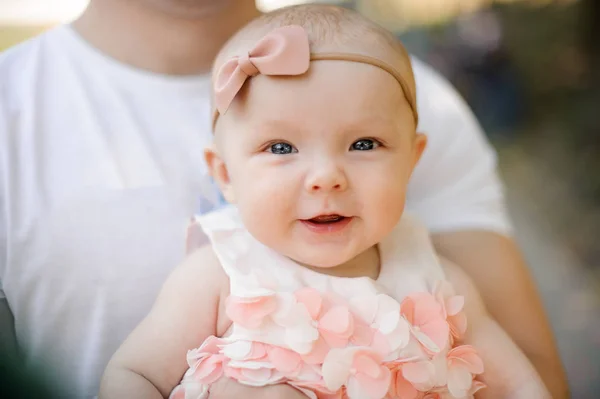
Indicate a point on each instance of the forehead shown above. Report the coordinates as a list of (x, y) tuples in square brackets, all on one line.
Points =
[(330, 94)]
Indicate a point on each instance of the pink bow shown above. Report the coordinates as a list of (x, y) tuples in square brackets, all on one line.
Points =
[(284, 51)]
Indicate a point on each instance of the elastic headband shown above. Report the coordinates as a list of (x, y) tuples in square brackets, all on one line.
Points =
[(285, 52)]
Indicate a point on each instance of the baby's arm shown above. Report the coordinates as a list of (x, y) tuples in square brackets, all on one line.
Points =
[(508, 373), (152, 360)]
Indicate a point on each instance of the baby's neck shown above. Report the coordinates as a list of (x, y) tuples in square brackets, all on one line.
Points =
[(365, 264)]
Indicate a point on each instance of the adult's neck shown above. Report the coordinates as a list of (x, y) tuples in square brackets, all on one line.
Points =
[(158, 41)]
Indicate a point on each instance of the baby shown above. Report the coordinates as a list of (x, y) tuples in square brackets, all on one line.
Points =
[(316, 278)]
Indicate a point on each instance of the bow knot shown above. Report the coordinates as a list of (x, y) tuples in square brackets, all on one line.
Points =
[(247, 66), (283, 52)]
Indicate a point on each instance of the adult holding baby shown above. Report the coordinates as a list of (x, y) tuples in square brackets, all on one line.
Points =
[(94, 200)]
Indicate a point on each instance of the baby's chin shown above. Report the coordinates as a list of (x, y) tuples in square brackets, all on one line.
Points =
[(321, 262), (335, 264)]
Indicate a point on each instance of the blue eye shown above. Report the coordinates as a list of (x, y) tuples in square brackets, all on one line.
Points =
[(281, 148), (364, 145)]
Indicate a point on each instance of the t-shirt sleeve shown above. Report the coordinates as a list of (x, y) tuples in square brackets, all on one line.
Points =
[(456, 185)]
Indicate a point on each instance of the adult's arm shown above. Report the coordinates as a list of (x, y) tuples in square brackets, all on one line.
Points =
[(508, 374), (456, 191), (495, 265)]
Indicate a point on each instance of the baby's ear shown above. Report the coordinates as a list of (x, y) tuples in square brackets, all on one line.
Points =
[(420, 143), (218, 171)]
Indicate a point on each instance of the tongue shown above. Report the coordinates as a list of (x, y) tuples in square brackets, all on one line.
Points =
[(327, 218)]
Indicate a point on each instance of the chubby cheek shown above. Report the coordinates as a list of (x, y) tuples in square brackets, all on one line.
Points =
[(261, 185), (382, 194), (266, 201), (387, 208)]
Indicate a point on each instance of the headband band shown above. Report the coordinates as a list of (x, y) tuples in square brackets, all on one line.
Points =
[(285, 52)]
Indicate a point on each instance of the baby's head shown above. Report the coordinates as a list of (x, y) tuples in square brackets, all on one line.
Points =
[(318, 162)]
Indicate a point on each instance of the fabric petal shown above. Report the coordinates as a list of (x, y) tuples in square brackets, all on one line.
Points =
[(400, 337), (284, 360), (301, 338), (362, 334), (458, 325), (209, 370), (426, 308), (467, 356), (477, 385), (258, 351), (388, 322), (438, 331), (311, 299), (237, 350), (427, 342), (455, 304), (407, 308), (365, 307), (309, 373), (459, 381), (337, 320), (374, 388), (386, 305), (249, 312), (380, 343), (260, 374), (211, 345), (367, 365), (318, 352), (336, 369), (289, 312), (336, 326), (354, 390), (420, 374), (400, 387)]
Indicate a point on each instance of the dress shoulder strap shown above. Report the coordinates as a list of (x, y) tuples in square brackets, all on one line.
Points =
[(408, 258)]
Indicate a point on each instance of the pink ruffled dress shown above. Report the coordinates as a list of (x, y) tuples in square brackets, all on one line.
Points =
[(335, 337)]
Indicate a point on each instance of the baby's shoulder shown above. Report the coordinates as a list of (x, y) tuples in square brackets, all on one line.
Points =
[(204, 258), (210, 275), (202, 280), (203, 269)]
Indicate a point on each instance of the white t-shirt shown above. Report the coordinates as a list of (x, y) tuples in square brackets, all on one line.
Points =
[(101, 166)]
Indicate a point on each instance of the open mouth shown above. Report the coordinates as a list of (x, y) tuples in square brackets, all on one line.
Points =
[(326, 219), (327, 223)]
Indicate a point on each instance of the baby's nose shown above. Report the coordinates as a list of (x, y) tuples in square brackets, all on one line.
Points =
[(326, 179)]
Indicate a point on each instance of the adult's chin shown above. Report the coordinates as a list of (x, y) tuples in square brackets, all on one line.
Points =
[(191, 9)]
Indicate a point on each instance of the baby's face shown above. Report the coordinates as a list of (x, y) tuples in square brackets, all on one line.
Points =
[(318, 165)]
